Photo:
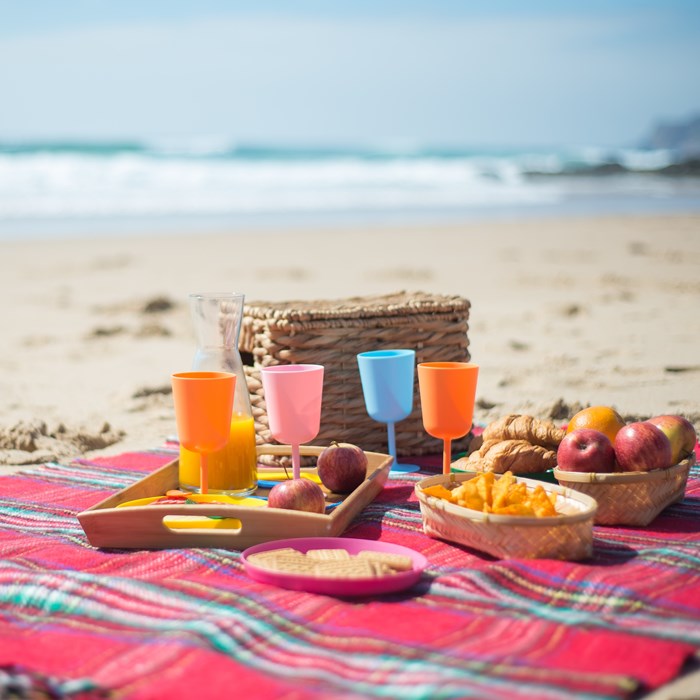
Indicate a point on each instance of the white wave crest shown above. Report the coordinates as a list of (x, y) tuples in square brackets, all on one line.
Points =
[(74, 185)]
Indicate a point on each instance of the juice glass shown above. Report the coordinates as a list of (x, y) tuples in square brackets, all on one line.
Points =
[(232, 469), (217, 317)]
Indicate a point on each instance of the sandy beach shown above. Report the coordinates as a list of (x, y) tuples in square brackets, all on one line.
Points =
[(565, 313)]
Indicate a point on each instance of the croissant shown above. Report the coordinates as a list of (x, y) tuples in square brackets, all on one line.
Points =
[(517, 456), (521, 427)]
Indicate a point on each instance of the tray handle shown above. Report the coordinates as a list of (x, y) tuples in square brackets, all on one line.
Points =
[(144, 526)]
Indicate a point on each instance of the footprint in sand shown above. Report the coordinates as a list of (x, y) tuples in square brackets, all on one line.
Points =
[(570, 310), (637, 248), (157, 305), (153, 330), (32, 442), (149, 396), (37, 341), (144, 392), (106, 331), (154, 305)]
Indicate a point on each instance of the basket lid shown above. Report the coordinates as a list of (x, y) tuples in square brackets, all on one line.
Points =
[(396, 304)]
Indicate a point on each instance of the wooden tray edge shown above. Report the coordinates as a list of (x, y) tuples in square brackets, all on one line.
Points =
[(143, 528)]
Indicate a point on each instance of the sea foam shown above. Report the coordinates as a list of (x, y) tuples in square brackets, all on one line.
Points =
[(54, 181)]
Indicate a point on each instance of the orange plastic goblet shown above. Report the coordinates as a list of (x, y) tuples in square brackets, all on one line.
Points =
[(203, 407), (447, 393)]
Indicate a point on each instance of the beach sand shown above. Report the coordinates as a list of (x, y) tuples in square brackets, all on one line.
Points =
[(565, 313)]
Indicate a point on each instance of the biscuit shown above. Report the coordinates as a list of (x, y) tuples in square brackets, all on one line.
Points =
[(332, 563), (261, 556), (328, 554), (398, 562), (287, 564), (350, 568)]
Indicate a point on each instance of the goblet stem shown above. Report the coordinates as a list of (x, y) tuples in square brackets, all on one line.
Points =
[(446, 455), (296, 462), (203, 473), (397, 468), (392, 440)]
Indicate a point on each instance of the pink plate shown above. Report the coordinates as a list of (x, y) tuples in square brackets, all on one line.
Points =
[(347, 587)]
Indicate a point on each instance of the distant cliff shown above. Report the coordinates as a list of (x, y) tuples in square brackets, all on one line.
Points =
[(683, 137)]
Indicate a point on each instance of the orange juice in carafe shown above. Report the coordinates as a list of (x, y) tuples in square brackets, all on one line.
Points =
[(232, 469), (217, 323)]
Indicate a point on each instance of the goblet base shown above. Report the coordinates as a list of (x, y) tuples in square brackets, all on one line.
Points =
[(398, 468)]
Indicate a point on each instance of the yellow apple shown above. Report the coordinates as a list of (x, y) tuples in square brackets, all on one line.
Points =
[(680, 433)]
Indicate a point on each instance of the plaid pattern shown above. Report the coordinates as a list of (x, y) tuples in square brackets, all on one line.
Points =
[(190, 623)]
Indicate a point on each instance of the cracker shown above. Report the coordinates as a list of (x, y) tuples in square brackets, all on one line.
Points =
[(381, 569), (283, 551), (328, 554), (350, 568), (398, 562), (288, 564), (332, 563)]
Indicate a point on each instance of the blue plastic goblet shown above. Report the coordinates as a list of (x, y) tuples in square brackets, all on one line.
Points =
[(387, 384)]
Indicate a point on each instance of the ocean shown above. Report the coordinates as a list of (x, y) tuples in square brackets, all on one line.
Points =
[(62, 188)]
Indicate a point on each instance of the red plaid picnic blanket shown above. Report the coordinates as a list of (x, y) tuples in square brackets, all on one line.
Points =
[(82, 622)]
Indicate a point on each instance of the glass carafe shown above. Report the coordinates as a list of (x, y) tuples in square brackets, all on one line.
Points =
[(217, 324)]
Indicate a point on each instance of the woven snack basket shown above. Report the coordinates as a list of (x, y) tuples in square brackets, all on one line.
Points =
[(565, 536), (630, 498), (331, 333)]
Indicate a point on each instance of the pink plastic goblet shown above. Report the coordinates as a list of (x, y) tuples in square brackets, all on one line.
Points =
[(293, 396)]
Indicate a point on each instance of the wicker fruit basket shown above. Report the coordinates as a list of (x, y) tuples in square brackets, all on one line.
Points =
[(565, 536), (630, 498)]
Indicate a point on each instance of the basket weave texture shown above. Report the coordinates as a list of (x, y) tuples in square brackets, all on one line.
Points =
[(566, 536), (630, 498), (331, 333)]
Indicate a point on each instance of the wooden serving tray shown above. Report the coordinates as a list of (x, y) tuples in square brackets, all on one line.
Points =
[(143, 527)]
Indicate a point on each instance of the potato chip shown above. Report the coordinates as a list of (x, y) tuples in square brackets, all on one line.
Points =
[(484, 484), (502, 496), (439, 491), (515, 509), (517, 493), (473, 502), (467, 489), (540, 503), (500, 489)]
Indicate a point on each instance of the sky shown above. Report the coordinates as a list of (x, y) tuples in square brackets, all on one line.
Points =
[(394, 72)]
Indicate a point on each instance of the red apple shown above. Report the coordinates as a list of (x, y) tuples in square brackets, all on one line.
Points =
[(680, 432), (641, 447), (342, 467), (297, 494), (586, 450)]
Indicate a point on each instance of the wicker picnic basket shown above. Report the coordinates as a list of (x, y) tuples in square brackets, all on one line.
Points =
[(565, 536), (630, 498), (331, 333)]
